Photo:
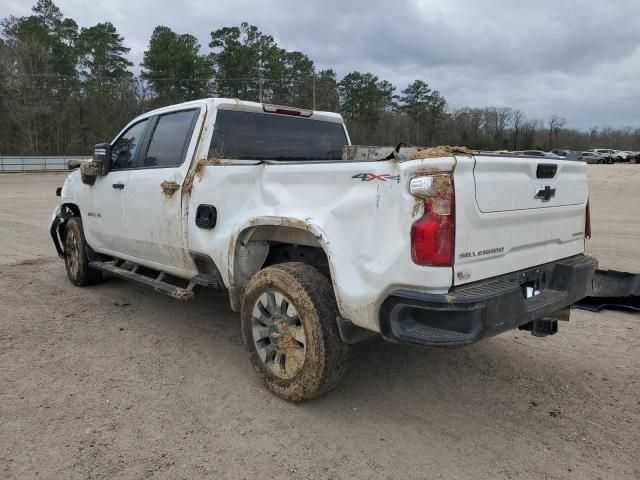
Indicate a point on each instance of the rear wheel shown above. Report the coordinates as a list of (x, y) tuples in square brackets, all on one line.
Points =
[(76, 260), (289, 328)]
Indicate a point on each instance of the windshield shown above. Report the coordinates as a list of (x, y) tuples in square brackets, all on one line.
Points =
[(259, 136)]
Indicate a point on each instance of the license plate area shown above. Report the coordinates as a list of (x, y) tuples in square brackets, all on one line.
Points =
[(534, 282), (530, 289)]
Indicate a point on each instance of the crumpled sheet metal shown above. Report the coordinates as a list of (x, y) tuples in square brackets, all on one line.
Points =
[(441, 151)]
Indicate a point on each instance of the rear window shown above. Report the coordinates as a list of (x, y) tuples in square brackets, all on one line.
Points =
[(257, 136)]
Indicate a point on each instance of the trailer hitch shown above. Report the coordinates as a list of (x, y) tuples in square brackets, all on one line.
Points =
[(612, 289)]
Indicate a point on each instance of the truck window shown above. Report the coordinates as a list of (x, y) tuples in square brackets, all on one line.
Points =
[(125, 148), (170, 139), (258, 136)]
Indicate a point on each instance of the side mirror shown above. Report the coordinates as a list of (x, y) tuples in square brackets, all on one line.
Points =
[(102, 156), (100, 165)]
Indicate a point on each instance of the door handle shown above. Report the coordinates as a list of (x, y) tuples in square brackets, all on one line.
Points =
[(118, 186)]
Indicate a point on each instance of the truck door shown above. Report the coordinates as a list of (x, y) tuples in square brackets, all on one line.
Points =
[(154, 198), (105, 227)]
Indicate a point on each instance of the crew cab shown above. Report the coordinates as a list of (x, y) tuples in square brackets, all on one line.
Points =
[(319, 244)]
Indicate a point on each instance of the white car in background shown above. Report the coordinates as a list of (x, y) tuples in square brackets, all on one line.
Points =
[(591, 157), (539, 153), (608, 155), (627, 156)]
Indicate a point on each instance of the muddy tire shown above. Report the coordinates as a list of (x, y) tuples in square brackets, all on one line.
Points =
[(76, 261), (289, 328)]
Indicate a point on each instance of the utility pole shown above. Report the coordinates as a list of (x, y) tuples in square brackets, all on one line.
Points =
[(260, 78), (313, 88)]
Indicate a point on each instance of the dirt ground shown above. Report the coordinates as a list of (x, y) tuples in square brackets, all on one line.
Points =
[(113, 381)]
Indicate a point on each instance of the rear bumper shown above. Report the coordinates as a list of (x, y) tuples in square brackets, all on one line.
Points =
[(483, 309)]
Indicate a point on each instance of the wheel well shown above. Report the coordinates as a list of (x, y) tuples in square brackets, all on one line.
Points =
[(70, 210), (286, 252), (262, 246)]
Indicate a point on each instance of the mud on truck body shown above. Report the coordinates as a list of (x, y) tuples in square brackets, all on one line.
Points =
[(317, 250)]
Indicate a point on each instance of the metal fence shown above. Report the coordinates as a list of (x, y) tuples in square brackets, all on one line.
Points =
[(35, 164)]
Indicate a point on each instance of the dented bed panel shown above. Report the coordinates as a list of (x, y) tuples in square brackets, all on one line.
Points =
[(360, 213)]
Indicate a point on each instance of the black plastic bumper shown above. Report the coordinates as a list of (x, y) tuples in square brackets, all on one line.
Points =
[(55, 230), (471, 312)]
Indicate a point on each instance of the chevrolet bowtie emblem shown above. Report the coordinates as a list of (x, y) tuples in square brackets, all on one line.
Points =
[(545, 194)]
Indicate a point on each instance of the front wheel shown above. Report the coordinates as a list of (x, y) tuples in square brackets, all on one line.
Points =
[(289, 328), (76, 260)]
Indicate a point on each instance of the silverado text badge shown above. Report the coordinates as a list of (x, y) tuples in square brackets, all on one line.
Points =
[(482, 253)]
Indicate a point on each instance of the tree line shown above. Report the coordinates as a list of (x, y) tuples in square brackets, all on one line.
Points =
[(64, 88)]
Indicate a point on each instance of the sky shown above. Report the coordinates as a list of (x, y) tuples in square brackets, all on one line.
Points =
[(579, 59)]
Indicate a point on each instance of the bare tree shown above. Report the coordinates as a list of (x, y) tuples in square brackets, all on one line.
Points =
[(555, 125), (517, 120)]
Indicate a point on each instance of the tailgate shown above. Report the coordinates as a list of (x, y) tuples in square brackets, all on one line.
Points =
[(514, 213), (522, 183)]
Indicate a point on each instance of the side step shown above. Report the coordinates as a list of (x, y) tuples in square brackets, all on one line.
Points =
[(129, 271)]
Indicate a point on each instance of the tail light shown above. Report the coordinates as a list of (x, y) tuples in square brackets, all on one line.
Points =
[(432, 236), (280, 110), (587, 222)]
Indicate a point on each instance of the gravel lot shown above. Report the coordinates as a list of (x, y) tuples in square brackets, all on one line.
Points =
[(113, 381)]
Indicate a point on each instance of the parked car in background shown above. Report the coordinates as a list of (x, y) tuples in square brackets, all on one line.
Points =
[(560, 152), (627, 156), (539, 153), (606, 154), (567, 154), (591, 157), (619, 156)]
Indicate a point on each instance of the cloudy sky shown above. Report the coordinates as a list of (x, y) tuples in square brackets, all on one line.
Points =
[(579, 59)]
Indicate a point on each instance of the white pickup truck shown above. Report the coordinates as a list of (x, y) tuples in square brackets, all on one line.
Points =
[(442, 247)]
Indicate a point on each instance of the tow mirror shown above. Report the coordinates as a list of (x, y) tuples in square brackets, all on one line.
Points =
[(102, 156), (100, 165)]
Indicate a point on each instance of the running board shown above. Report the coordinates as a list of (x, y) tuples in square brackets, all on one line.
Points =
[(118, 268)]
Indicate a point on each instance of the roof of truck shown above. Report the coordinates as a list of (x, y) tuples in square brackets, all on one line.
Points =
[(242, 105)]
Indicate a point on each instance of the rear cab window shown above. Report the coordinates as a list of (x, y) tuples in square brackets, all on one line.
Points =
[(261, 136)]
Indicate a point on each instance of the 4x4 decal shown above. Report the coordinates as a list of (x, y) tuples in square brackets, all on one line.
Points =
[(383, 177)]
